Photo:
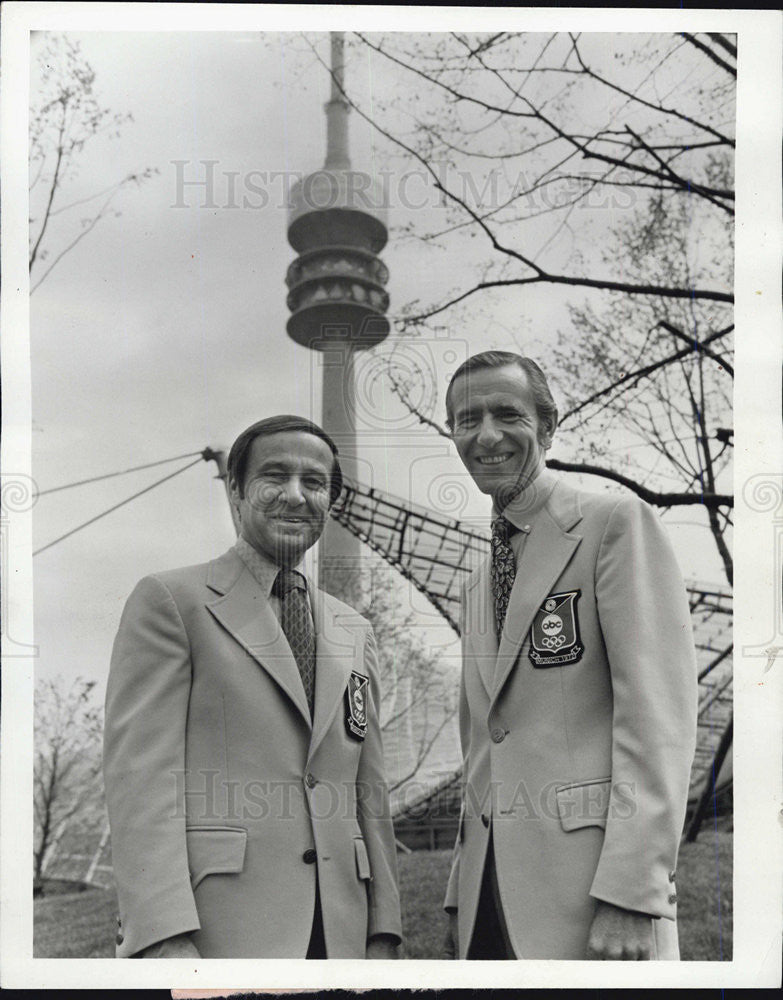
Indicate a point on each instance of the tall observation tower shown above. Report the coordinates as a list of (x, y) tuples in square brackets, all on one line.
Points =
[(336, 294)]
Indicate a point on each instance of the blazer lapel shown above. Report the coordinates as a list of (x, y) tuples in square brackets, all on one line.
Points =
[(245, 613), (337, 653), (478, 624), (547, 552)]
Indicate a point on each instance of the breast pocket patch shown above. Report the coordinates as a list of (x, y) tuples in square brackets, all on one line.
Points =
[(356, 705), (554, 634)]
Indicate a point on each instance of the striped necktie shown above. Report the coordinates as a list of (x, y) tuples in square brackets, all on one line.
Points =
[(297, 624)]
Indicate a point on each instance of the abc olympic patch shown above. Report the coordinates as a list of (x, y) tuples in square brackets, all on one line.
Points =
[(554, 634), (356, 696)]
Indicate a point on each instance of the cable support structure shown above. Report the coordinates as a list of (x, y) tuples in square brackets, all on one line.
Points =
[(122, 472), (116, 506)]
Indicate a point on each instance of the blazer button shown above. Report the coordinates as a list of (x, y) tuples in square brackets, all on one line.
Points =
[(672, 876), (309, 856), (673, 898), (485, 820), (498, 735), (310, 780), (120, 938)]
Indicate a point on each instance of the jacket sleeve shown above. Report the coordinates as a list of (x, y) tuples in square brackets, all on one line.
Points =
[(374, 813), (450, 903), (144, 765), (646, 625)]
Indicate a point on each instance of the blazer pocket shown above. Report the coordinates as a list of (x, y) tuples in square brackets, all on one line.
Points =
[(362, 859), (584, 803), (215, 850)]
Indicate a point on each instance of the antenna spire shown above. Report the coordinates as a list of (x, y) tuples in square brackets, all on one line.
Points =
[(337, 110)]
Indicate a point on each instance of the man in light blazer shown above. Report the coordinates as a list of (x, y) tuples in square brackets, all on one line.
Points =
[(243, 761), (578, 699)]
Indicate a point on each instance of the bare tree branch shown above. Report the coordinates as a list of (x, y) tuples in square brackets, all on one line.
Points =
[(686, 184), (672, 112), (422, 418), (648, 369), (723, 42), (701, 345), (61, 126), (52, 190), (77, 239), (540, 275), (708, 500), (616, 286), (589, 153), (709, 53)]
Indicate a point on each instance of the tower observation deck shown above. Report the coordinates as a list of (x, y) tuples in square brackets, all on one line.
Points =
[(337, 296)]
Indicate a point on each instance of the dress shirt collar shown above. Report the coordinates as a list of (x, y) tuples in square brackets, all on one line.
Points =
[(262, 569), (525, 505)]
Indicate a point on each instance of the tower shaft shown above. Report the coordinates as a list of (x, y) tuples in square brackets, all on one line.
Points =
[(340, 555), (337, 298)]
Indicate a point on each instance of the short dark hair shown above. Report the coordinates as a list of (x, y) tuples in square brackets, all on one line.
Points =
[(240, 449), (546, 409)]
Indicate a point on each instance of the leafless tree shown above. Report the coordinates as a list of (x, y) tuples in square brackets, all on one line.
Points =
[(537, 146), (67, 772), (64, 118), (647, 382), (419, 699), (513, 127)]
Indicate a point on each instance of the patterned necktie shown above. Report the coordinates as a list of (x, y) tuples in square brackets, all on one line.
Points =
[(297, 624), (503, 570)]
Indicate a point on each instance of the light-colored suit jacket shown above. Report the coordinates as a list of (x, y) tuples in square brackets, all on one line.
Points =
[(577, 756), (226, 802)]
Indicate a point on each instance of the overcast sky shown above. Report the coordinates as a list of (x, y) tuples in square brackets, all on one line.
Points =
[(163, 331)]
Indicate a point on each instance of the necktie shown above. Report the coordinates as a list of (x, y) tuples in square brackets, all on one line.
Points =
[(297, 624), (503, 570)]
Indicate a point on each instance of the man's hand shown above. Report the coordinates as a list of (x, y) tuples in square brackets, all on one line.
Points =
[(382, 946), (179, 946), (451, 944), (620, 935)]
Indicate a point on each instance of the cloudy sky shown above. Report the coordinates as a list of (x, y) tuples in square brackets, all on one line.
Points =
[(163, 331)]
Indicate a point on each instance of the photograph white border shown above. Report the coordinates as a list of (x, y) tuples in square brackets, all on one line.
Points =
[(758, 684)]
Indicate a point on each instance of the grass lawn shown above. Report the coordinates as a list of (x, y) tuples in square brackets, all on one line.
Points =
[(76, 925), (705, 904), (704, 909), (423, 878), (83, 924)]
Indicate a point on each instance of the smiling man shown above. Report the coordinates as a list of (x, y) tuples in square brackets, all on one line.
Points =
[(243, 760), (578, 699)]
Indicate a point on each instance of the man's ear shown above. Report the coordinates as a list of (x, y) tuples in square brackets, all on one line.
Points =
[(547, 430), (233, 494)]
